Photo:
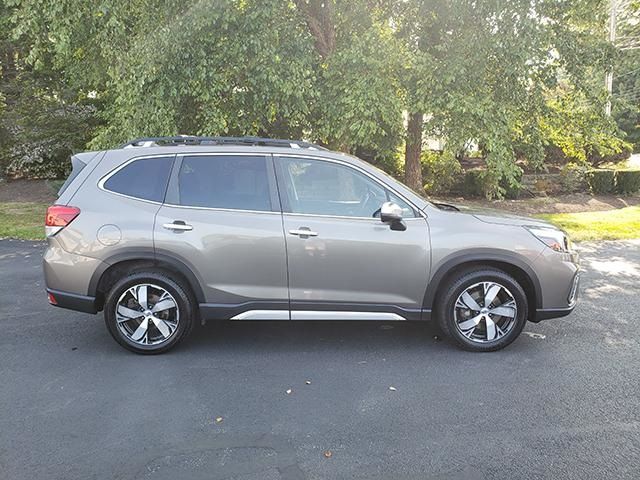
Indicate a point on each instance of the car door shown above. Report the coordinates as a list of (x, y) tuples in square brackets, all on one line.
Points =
[(343, 262), (221, 219)]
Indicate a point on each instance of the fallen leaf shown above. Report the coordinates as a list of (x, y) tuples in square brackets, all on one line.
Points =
[(288, 392), (308, 382), (393, 389), (218, 419), (327, 454), (535, 335)]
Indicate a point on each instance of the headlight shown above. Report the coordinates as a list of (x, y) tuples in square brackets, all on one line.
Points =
[(553, 238)]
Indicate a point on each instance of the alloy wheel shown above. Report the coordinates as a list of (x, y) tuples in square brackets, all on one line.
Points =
[(147, 314), (485, 312)]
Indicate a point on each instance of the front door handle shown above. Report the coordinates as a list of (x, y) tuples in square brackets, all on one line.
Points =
[(178, 226), (303, 232)]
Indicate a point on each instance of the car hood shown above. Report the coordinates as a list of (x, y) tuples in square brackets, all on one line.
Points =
[(489, 215)]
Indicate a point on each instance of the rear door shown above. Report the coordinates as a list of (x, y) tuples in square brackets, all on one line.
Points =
[(222, 219), (343, 262)]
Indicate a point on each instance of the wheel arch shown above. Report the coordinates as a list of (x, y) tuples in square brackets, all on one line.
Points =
[(512, 264), (113, 267)]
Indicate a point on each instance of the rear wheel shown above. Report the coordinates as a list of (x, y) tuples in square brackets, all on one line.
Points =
[(482, 310), (149, 312)]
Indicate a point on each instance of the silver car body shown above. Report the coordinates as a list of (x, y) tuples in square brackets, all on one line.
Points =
[(246, 264)]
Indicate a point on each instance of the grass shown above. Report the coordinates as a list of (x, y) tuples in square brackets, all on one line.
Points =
[(23, 220), (620, 224)]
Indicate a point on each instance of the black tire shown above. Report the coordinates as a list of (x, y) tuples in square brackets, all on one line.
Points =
[(185, 306), (456, 286)]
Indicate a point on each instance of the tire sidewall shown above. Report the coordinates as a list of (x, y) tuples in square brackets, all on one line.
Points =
[(182, 298), (463, 282)]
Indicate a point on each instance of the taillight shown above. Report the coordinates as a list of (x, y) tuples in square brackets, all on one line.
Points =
[(58, 217)]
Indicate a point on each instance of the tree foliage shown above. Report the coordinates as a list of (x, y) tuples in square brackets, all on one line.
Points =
[(363, 76)]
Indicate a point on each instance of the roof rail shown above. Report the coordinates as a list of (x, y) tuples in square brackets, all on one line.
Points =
[(182, 140)]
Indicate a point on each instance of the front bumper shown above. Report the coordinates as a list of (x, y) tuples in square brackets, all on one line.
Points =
[(572, 300)]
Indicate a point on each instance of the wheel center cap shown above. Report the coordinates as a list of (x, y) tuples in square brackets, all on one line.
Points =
[(484, 311), (147, 313)]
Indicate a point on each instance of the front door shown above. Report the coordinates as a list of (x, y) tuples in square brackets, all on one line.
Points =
[(343, 262), (222, 219)]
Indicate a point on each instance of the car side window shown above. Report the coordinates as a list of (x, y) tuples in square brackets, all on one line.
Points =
[(236, 182), (144, 178), (325, 188)]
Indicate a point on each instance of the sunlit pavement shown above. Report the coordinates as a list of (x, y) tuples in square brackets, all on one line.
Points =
[(561, 402)]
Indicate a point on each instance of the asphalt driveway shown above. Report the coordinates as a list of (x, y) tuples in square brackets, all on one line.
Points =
[(563, 401)]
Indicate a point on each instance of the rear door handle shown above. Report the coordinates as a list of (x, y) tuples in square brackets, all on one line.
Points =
[(178, 226), (303, 232)]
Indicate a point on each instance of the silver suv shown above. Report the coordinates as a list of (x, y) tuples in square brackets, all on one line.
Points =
[(165, 232)]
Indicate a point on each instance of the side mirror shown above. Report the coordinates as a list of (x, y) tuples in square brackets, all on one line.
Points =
[(391, 214)]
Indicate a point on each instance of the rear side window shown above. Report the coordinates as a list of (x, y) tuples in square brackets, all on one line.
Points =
[(145, 178), (225, 181)]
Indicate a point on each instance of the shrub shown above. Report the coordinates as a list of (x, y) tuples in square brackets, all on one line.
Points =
[(478, 182), (573, 177), (601, 181), (440, 171), (473, 184), (627, 181)]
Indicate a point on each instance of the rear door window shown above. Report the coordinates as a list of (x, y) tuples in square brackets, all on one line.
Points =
[(144, 178), (239, 182)]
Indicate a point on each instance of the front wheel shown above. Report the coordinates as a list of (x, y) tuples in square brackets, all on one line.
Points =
[(148, 312), (482, 310)]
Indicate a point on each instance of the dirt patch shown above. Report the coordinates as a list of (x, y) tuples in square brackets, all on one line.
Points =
[(575, 202), (39, 191)]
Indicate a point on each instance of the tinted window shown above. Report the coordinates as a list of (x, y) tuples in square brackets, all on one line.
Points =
[(218, 181), (326, 188), (145, 178)]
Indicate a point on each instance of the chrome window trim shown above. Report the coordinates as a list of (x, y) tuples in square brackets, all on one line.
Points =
[(345, 217), (421, 214), (219, 209), (102, 181), (112, 172)]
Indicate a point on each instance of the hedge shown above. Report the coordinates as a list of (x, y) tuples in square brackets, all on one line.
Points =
[(627, 181), (601, 181), (608, 181)]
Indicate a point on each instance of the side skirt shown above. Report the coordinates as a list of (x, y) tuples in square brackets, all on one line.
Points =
[(309, 311)]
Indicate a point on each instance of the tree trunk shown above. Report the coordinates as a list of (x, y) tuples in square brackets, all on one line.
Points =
[(412, 165)]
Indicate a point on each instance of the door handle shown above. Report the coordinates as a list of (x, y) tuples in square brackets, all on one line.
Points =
[(303, 232), (178, 226)]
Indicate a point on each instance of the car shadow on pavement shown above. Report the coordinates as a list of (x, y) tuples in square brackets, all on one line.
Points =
[(312, 336)]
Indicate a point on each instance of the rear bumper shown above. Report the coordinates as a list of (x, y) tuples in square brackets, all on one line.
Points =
[(73, 301)]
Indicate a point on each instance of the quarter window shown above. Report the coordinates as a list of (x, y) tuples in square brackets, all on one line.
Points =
[(326, 188), (219, 181), (145, 178)]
